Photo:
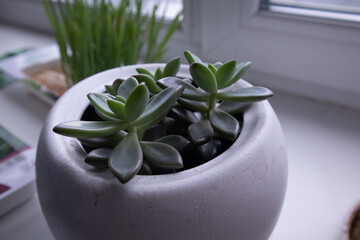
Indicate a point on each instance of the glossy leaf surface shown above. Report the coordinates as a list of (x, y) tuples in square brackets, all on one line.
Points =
[(104, 142), (126, 159), (99, 100), (190, 92), (241, 68), (224, 124), (200, 132), (194, 105), (136, 103), (99, 157), (158, 74), (149, 82), (233, 107), (203, 77), (176, 141), (89, 129), (145, 71), (116, 84), (251, 94), (224, 73), (171, 68), (159, 106), (117, 108), (190, 57), (126, 87), (162, 155)]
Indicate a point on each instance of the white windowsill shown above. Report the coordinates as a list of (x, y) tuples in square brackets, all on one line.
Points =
[(323, 149)]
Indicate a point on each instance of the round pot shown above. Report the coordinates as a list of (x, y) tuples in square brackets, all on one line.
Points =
[(237, 195)]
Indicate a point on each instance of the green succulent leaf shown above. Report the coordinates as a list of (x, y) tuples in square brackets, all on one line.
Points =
[(194, 105), (190, 92), (176, 141), (207, 151), (149, 81), (159, 106), (117, 108), (136, 103), (99, 157), (190, 57), (126, 159), (224, 124), (162, 155), (110, 90), (171, 68), (224, 73), (233, 107), (146, 72), (145, 169), (99, 100), (200, 132), (217, 65), (105, 117), (203, 77), (126, 87), (116, 84), (104, 142), (250, 94), (89, 129), (241, 68), (158, 74), (212, 68), (120, 99)]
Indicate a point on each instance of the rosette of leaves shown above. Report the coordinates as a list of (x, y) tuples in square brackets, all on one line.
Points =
[(117, 142), (214, 95), (171, 69)]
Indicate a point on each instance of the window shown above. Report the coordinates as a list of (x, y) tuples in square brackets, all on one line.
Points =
[(346, 10)]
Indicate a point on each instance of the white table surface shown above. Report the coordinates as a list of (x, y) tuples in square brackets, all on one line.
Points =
[(323, 149)]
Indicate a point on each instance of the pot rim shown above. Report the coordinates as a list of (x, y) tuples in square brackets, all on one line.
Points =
[(65, 109)]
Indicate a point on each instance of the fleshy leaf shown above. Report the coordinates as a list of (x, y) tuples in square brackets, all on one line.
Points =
[(212, 68), (190, 57), (160, 105), (241, 68), (89, 129), (250, 94), (162, 155), (203, 77), (136, 102), (194, 105), (126, 87), (155, 132), (224, 124), (145, 71), (126, 159), (233, 107), (110, 90), (217, 65), (99, 100), (99, 157), (104, 142), (121, 99), (105, 117), (200, 132), (158, 74), (171, 68), (145, 169), (116, 84), (176, 141), (190, 92), (207, 151), (224, 73), (117, 108), (149, 82)]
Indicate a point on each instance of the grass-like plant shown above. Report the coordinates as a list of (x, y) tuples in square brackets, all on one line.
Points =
[(149, 118), (100, 35)]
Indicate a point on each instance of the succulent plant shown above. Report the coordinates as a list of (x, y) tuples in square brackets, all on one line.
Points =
[(147, 119)]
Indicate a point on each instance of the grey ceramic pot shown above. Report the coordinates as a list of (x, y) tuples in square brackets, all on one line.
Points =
[(237, 195)]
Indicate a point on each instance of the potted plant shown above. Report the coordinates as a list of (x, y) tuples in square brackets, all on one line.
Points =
[(214, 175)]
